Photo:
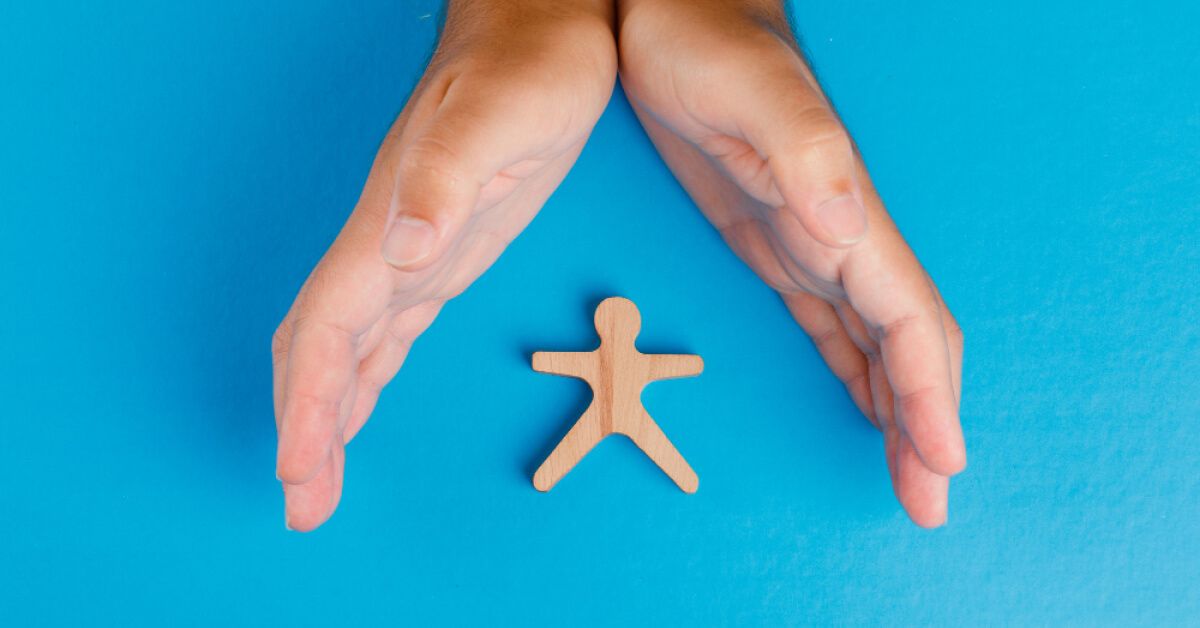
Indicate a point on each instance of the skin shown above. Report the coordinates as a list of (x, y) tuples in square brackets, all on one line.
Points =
[(502, 112), (498, 119), (726, 97)]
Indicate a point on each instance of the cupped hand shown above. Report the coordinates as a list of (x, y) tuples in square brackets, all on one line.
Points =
[(499, 117), (726, 97)]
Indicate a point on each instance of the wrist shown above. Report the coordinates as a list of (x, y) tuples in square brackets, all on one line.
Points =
[(473, 14), (729, 16), (498, 26), (754, 6)]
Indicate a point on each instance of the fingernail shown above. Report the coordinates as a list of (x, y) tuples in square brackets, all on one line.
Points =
[(410, 240), (844, 218)]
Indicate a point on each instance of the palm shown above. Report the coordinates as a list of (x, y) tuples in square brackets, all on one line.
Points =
[(483, 142), (383, 308), (740, 120)]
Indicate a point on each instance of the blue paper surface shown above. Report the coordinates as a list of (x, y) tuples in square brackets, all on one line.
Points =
[(169, 173)]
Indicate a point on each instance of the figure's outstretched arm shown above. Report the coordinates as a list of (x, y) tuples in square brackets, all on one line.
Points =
[(581, 364), (669, 366), (570, 450)]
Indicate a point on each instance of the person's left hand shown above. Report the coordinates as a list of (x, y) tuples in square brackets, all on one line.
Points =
[(727, 99)]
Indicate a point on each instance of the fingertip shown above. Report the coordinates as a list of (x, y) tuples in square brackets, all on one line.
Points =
[(300, 467), (942, 459), (929, 519), (305, 442), (304, 522), (930, 420), (923, 493), (954, 463), (296, 518), (309, 505)]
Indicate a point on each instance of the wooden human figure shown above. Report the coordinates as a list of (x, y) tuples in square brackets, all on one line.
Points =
[(617, 372)]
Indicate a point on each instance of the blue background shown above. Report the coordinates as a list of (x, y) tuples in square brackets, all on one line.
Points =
[(169, 173)]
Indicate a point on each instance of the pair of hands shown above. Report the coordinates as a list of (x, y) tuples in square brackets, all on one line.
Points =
[(498, 119)]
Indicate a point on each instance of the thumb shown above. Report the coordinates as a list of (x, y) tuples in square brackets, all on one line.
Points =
[(434, 195), (438, 179), (811, 156)]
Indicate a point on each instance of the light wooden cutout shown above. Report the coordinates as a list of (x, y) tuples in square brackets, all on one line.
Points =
[(617, 372)]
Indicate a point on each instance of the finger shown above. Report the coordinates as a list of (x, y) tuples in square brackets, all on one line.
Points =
[(954, 339), (811, 157), (821, 323), (320, 368), (376, 371), (442, 172), (917, 363), (310, 504), (922, 492), (890, 291), (881, 394), (280, 342), (891, 441), (378, 368)]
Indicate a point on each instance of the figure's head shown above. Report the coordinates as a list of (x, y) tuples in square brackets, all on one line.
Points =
[(618, 320)]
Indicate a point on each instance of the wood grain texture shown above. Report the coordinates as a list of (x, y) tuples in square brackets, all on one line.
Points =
[(617, 373)]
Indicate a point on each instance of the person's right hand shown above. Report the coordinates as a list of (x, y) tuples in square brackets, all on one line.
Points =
[(502, 112)]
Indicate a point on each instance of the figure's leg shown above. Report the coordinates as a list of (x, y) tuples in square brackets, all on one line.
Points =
[(649, 438), (570, 450)]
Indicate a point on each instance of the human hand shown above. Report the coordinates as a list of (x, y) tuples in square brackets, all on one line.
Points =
[(726, 97), (499, 117)]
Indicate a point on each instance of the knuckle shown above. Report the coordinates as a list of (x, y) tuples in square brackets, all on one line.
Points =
[(818, 134), (956, 336), (918, 402), (899, 324), (954, 332), (321, 407), (430, 176), (371, 386), (823, 339), (429, 156), (953, 329), (855, 379)]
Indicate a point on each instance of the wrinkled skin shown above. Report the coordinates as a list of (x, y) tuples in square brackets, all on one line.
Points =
[(500, 116)]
